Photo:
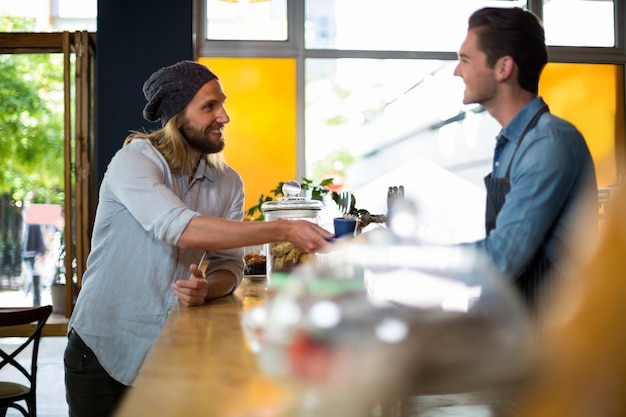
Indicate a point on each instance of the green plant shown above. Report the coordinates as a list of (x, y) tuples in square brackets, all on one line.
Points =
[(317, 191)]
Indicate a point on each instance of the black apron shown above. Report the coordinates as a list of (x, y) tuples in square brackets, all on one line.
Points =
[(530, 281)]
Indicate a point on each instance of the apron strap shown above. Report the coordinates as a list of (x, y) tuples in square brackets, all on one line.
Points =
[(530, 125)]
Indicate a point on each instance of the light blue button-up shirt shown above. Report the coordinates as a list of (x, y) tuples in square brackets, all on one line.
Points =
[(551, 169), (142, 211)]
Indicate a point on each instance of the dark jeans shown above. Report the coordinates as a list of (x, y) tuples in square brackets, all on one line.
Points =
[(90, 390)]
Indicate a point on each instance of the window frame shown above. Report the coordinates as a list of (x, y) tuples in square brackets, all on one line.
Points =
[(204, 47), (295, 47), (79, 152)]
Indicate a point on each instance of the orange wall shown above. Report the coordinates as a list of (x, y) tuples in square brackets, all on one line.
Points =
[(591, 97), (261, 136)]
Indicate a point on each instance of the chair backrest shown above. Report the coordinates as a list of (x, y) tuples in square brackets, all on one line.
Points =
[(34, 320)]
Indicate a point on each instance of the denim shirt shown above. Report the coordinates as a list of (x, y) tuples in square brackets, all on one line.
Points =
[(550, 171), (142, 212)]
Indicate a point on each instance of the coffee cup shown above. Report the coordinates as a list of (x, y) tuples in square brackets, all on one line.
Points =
[(344, 226)]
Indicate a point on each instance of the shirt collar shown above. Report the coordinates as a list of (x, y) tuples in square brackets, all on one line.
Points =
[(520, 122), (204, 170)]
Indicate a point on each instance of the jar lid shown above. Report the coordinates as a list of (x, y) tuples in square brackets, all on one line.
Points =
[(291, 200)]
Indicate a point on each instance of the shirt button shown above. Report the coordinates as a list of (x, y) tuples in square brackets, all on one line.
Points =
[(497, 164)]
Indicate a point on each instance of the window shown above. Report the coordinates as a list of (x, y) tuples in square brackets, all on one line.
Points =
[(50, 76), (378, 105), (253, 20), (579, 22), (391, 25)]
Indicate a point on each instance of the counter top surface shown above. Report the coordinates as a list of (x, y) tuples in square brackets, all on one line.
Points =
[(201, 365)]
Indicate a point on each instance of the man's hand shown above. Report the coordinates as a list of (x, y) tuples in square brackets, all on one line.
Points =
[(193, 291), (308, 236)]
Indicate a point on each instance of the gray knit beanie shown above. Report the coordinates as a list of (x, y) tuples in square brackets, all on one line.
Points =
[(169, 89)]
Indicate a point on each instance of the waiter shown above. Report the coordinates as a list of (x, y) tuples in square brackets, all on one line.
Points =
[(541, 165)]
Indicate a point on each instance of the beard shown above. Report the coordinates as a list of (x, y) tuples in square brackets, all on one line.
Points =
[(200, 141)]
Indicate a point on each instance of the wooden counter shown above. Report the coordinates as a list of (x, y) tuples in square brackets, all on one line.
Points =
[(201, 365)]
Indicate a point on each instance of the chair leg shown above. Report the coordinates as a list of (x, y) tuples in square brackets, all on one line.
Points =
[(24, 411), (31, 407)]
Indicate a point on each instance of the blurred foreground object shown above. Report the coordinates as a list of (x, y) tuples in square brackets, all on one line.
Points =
[(383, 317), (582, 340)]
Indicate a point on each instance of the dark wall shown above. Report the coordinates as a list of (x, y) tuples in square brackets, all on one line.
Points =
[(134, 38)]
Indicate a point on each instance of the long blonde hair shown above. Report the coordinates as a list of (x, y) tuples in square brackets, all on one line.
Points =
[(170, 142)]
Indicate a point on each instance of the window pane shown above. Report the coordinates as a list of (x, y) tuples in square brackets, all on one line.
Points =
[(48, 15), (375, 123), (261, 137), (255, 20), (394, 25), (365, 108), (32, 183), (579, 22), (592, 97), (73, 15)]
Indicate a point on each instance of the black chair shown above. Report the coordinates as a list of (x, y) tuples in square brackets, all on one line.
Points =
[(11, 393)]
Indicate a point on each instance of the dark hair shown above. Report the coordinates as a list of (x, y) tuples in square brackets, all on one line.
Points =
[(515, 32)]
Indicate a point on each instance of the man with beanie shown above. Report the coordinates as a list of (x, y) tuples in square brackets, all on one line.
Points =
[(166, 198)]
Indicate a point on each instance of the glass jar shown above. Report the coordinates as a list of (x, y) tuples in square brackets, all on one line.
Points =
[(283, 257)]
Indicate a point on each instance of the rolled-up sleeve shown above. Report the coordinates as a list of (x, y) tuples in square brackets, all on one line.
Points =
[(140, 181)]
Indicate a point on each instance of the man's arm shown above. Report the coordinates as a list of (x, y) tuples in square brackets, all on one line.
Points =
[(542, 180), (210, 233)]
